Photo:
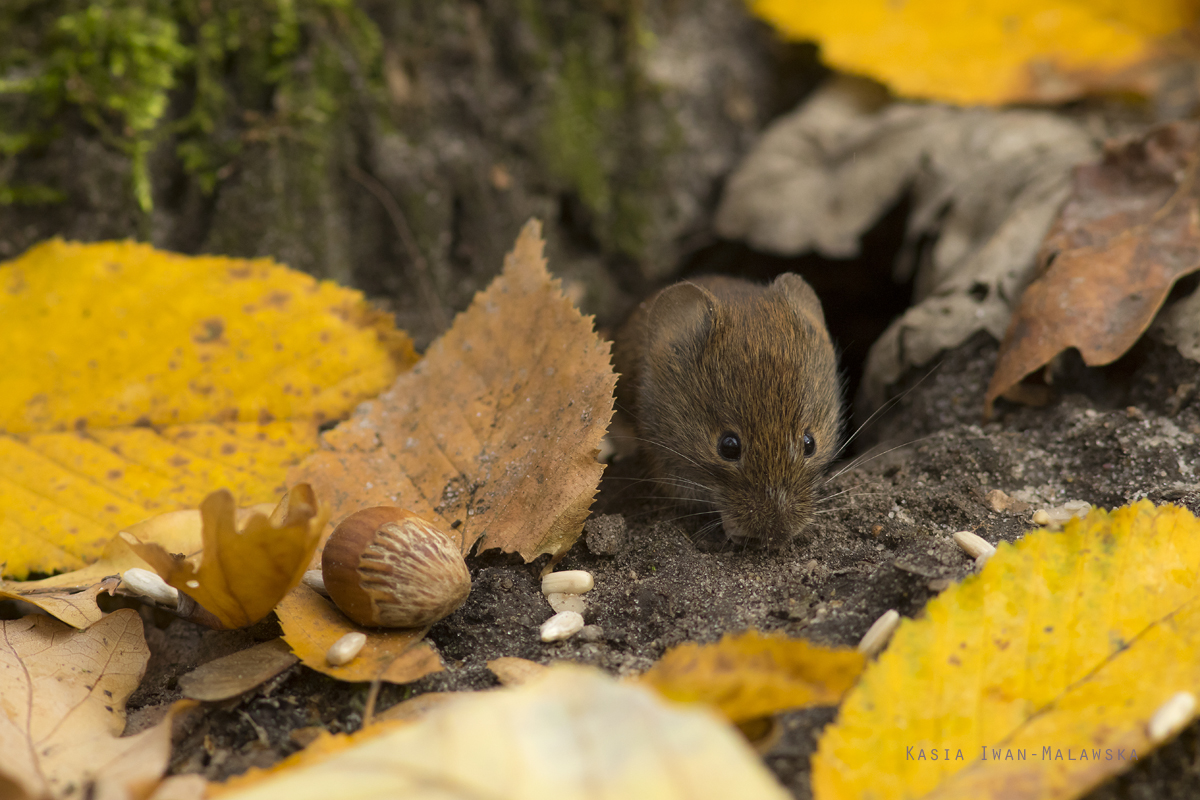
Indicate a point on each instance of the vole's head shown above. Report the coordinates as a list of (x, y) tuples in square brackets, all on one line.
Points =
[(741, 402)]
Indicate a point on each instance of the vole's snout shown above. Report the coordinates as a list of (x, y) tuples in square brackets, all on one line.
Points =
[(773, 519)]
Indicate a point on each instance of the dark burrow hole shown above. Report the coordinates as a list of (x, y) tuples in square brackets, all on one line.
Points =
[(860, 296)]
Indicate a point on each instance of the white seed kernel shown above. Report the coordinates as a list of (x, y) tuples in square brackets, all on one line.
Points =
[(566, 602), (973, 545), (346, 649), (562, 625), (1041, 517), (571, 581), (1171, 716), (877, 636), (145, 583), (314, 580)]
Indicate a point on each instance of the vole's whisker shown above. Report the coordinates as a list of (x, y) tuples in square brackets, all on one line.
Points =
[(856, 493), (670, 450), (863, 459), (889, 404)]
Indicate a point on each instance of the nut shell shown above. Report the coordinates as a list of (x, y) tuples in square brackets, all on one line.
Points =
[(388, 567)]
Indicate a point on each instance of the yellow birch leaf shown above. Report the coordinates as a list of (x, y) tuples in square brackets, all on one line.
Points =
[(494, 435), (752, 675), (243, 568), (992, 51), (575, 733), (136, 381), (1041, 672), (62, 710), (311, 624)]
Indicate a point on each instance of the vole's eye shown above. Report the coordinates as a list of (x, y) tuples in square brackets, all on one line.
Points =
[(810, 444), (729, 446)]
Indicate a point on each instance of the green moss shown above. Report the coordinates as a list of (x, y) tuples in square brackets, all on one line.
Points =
[(592, 140), (576, 140), (244, 67)]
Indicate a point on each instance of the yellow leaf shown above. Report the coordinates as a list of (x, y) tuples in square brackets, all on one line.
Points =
[(311, 624), (1038, 664), (136, 381), (990, 51), (752, 675), (575, 733), (75, 606), (175, 531), (494, 436), (62, 709), (246, 567)]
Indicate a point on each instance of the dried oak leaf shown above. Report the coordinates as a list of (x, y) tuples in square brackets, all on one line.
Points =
[(62, 710), (136, 380), (1054, 658), (311, 624), (229, 676), (244, 566), (1002, 51), (1127, 234), (494, 434), (751, 675)]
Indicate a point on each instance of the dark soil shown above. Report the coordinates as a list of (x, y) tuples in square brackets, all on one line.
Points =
[(881, 541)]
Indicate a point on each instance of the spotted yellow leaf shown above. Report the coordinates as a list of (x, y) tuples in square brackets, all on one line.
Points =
[(752, 675), (137, 381), (1041, 672), (991, 51)]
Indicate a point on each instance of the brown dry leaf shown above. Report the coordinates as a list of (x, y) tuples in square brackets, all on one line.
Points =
[(751, 675), (243, 569), (513, 671), (223, 678), (62, 698), (74, 605), (311, 624), (1130, 230), (494, 434)]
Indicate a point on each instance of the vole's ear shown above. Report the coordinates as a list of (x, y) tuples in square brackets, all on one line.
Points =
[(801, 297), (682, 316)]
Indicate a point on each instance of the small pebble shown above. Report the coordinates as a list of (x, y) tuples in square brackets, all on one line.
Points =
[(591, 633), (998, 501), (606, 535)]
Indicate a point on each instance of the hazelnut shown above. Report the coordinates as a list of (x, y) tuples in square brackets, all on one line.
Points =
[(387, 567)]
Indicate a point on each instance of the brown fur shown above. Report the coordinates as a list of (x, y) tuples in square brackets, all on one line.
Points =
[(719, 354)]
